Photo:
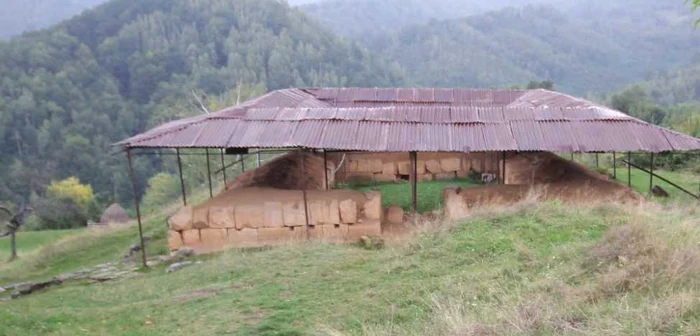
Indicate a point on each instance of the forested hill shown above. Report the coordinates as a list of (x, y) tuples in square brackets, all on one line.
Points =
[(513, 46), (363, 17), (67, 93), (18, 16)]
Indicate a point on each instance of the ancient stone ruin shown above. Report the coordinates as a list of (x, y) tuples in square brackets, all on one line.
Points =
[(252, 217)]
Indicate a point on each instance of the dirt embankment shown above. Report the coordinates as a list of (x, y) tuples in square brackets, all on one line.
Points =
[(293, 171)]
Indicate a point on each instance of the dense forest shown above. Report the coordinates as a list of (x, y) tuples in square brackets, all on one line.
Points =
[(513, 46), (67, 93)]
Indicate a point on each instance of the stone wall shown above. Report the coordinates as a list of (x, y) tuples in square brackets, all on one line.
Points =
[(390, 167), (253, 217)]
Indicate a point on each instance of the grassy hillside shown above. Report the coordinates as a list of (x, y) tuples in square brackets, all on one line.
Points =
[(533, 269)]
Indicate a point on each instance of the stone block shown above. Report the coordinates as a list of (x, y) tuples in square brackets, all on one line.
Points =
[(174, 240), (360, 177), (451, 164), (466, 164), (433, 166), (394, 215), (335, 233), (381, 177), (377, 166), (245, 237), (389, 169), (446, 176), (275, 236), (293, 214), (249, 216), (318, 212), (221, 218), (420, 167), (352, 165), (373, 207), (334, 212), (463, 173), (368, 228), (315, 232), (425, 177), (298, 233), (404, 167), (476, 165), (348, 211), (213, 237), (182, 220), (274, 217), (200, 218), (190, 237), (365, 166)]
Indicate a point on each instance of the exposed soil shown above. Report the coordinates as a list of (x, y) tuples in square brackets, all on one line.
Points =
[(293, 171)]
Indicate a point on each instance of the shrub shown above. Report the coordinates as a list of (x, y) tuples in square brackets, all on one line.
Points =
[(162, 189)]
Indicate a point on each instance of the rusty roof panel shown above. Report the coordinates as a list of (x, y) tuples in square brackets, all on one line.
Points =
[(417, 120), (372, 136), (405, 95), (386, 95), (338, 135), (366, 94), (468, 138), (499, 137), (527, 135), (444, 96), (424, 95), (491, 114), (464, 114), (681, 142)]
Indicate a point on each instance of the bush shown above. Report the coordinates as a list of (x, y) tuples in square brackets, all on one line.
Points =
[(54, 214), (162, 189)]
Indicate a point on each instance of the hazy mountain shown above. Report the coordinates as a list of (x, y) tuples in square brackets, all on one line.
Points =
[(18, 16), (602, 52)]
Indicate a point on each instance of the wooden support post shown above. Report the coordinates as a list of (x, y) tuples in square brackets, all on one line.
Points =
[(223, 166), (211, 189), (325, 167), (136, 206), (629, 169), (414, 181), (651, 175), (182, 178)]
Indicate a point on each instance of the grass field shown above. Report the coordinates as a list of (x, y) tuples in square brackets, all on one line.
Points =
[(28, 242), (640, 182), (531, 270), (429, 193)]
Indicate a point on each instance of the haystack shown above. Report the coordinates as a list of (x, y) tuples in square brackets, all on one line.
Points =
[(115, 214)]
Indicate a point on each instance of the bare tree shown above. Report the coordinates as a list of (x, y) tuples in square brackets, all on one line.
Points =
[(13, 224)]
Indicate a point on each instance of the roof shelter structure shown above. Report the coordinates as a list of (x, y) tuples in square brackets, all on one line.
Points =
[(413, 120)]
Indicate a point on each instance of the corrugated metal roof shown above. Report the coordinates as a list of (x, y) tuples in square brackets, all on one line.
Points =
[(450, 120)]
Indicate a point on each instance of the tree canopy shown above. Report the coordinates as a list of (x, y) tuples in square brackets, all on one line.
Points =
[(68, 93)]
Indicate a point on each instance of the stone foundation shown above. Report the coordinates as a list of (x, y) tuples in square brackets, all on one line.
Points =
[(254, 217), (394, 167)]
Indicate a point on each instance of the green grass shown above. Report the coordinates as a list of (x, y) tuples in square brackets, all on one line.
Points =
[(640, 182), (501, 271), (429, 193), (28, 242)]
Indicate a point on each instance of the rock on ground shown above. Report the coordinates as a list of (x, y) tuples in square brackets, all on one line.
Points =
[(178, 266)]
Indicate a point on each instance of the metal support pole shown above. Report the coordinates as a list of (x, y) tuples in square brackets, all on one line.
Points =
[(572, 156), (597, 160), (615, 165), (259, 159), (223, 166), (182, 178), (629, 170), (303, 191), (504, 168), (325, 167), (651, 175), (211, 189), (241, 158), (138, 209), (414, 181)]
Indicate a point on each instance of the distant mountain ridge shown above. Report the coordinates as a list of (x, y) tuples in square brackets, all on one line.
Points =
[(18, 16)]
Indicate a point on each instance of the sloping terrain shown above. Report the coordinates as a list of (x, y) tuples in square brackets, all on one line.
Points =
[(533, 269)]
